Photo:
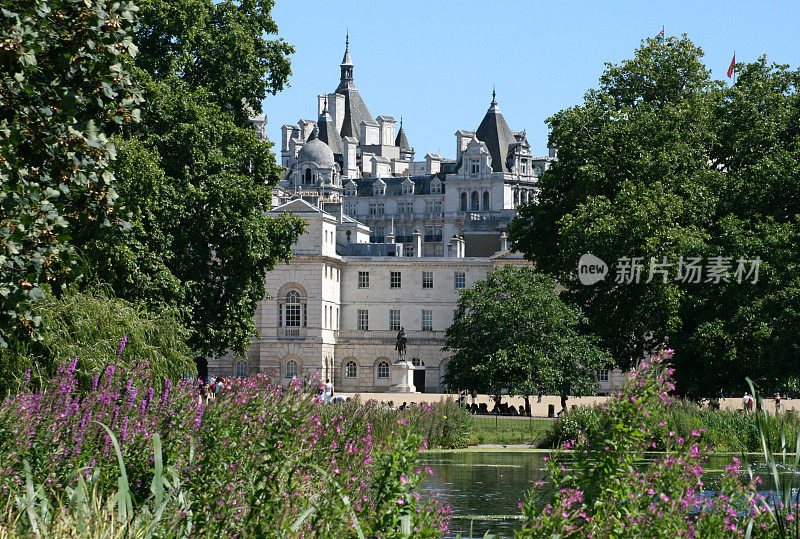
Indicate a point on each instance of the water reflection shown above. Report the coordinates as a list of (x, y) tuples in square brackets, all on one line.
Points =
[(485, 488), (477, 484)]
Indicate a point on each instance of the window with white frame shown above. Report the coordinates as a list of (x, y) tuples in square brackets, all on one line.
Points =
[(363, 279), (474, 166), (394, 319), (362, 320), (436, 187), (459, 280), (602, 375), (383, 370), (395, 279), (427, 279), (350, 191), (427, 320), (291, 369), (292, 310), (408, 188), (350, 369), (241, 369), (417, 362), (379, 188)]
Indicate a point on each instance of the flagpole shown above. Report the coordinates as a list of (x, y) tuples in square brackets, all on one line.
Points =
[(734, 68)]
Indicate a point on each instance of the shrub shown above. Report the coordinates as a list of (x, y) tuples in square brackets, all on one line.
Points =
[(89, 326), (613, 490), (260, 460)]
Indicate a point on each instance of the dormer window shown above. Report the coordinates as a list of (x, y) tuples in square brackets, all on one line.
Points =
[(474, 166), (350, 189), (436, 187), (379, 188), (408, 188)]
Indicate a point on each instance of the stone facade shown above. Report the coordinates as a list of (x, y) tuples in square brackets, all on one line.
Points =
[(326, 309), (389, 243), (347, 156)]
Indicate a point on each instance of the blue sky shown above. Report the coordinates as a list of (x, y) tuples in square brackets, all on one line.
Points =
[(434, 63)]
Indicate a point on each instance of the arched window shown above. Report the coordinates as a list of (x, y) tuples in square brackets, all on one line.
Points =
[(383, 370), (486, 201), (291, 369), (292, 311), (476, 201), (464, 202), (241, 369), (417, 362), (350, 369), (307, 179)]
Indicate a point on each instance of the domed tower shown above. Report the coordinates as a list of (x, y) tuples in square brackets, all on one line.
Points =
[(317, 175)]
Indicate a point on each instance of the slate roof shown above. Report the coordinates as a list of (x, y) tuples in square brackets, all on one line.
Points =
[(422, 185), (494, 132), (401, 139), (328, 133), (355, 113)]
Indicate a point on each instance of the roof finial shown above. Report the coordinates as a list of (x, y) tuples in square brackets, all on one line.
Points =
[(494, 94), (325, 105), (401, 122), (347, 40)]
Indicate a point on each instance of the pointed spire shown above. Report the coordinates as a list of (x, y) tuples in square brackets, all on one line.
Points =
[(346, 61), (493, 105), (401, 140)]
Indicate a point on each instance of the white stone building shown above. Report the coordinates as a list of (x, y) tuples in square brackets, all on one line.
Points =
[(335, 310), (390, 242), (348, 156)]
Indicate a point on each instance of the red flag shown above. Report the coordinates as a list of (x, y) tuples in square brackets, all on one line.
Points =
[(733, 66)]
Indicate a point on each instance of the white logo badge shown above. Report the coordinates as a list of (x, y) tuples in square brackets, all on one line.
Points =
[(591, 269)]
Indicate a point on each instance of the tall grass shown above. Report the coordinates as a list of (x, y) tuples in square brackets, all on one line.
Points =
[(141, 457), (725, 430)]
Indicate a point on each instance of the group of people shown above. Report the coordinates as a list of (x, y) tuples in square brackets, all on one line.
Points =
[(208, 392), (325, 391), (749, 403), (500, 408)]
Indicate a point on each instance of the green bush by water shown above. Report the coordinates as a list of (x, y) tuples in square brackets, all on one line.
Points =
[(726, 431)]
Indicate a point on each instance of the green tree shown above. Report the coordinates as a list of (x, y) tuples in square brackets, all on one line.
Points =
[(88, 326), (661, 162), (511, 331), (62, 88), (193, 174)]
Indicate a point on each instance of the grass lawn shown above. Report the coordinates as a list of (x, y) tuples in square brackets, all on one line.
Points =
[(489, 429)]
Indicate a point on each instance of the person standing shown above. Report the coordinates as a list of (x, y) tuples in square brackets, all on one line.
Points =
[(474, 396), (746, 402), (327, 393), (777, 403)]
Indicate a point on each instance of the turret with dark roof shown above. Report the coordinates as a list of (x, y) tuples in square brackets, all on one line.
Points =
[(328, 133), (355, 111), (401, 141), (497, 136)]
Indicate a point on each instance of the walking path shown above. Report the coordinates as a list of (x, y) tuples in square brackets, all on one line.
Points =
[(539, 409)]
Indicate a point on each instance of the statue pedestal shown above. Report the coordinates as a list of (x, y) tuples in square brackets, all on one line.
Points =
[(402, 377)]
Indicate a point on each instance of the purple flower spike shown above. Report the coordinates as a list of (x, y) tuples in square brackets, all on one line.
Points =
[(122, 346)]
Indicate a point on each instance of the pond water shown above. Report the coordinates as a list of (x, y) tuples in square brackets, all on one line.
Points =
[(484, 488)]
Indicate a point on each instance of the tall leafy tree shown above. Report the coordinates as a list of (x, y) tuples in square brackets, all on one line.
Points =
[(63, 86), (661, 162), (194, 176), (511, 331)]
